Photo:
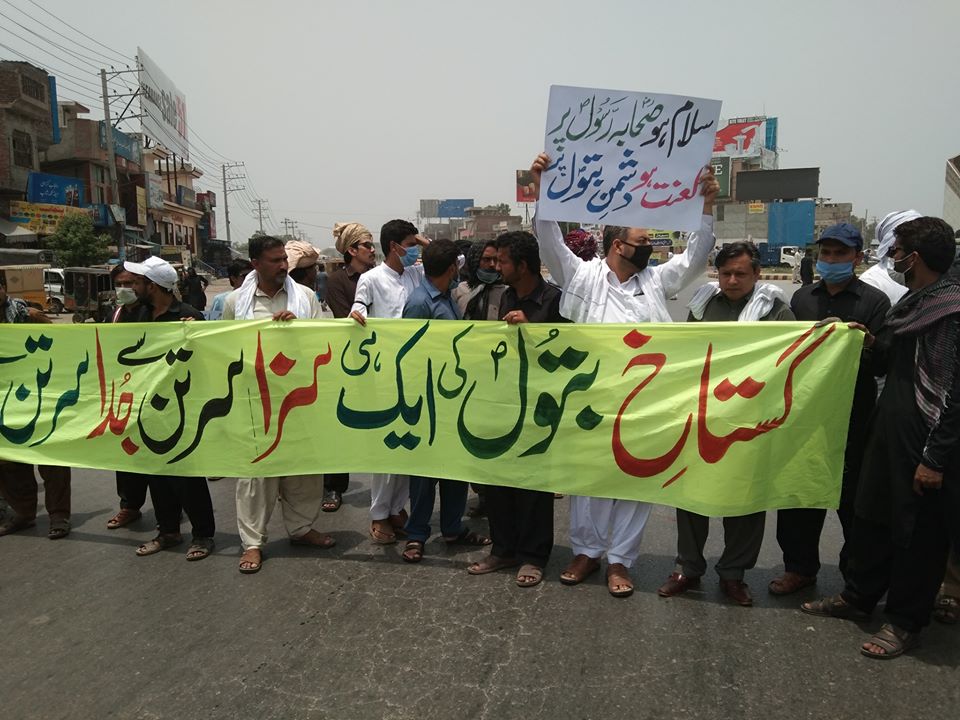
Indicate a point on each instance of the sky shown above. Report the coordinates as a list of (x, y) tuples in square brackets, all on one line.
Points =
[(353, 111)]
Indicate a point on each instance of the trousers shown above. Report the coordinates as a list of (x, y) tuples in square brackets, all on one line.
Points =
[(388, 495), (742, 538), (423, 494), (300, 496), (132, 489), (614, 527), (172, 495), (18, 484), (521, 523)]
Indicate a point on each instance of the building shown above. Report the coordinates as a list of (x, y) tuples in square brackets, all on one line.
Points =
[(951, 193), (172, 214), (27, 95)]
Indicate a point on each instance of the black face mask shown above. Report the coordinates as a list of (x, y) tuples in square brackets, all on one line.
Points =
[(641, 256)]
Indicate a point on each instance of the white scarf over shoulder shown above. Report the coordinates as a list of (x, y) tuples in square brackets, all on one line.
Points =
[(296, 302), (759, 305)]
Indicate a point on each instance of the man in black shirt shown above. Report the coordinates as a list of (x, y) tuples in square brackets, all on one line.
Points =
[(521, 521), (839, 294), (153, 283)]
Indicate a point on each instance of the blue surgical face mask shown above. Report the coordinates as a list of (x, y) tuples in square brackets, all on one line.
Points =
[(835, 273), (411, 256)]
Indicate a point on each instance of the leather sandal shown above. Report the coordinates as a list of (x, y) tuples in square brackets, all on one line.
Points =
[(251, 561), (312, 538), (160, 542), (123, 518), (834, 606), (16, 524), (490, 564), (379, 535), (582, 567), (619, 583), (531, 575), (790, 582), (893, 640)]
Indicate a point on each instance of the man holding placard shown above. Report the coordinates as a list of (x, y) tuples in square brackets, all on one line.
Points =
[(620, 288)]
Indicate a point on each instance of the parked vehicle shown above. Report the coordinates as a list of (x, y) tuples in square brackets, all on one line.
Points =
[(25, 282), (87, 293), (53, 287)]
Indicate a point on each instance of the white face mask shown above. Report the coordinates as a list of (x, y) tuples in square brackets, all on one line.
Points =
[(126, 296)]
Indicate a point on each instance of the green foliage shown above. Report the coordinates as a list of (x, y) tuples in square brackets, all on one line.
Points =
[(76, 244)]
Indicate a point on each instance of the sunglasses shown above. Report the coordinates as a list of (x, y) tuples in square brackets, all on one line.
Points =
[(367, 245)]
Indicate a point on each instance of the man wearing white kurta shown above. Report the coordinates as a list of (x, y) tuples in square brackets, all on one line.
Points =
[(269, 293), (381, 293), (617, 289)]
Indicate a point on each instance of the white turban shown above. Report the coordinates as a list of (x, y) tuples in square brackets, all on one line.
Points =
[(300, 254)]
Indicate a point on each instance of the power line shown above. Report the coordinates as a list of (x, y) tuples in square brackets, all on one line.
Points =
[(45, 65), (60, 34), (107, 47)]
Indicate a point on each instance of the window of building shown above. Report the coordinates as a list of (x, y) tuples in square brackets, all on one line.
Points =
[(32, 89), (99, 185), (22, 149), (720, 212)]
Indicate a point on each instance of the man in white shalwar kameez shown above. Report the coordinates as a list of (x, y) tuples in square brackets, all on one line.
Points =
[(620, 288)]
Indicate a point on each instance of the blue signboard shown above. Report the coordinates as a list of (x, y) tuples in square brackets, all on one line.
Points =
[(54, 189), (770, 139), (123, 145), (790, 223), (453, 208), (54, 109)]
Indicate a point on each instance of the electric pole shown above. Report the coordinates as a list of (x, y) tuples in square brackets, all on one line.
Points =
[(227, 189), (260, 211), (112, 166)]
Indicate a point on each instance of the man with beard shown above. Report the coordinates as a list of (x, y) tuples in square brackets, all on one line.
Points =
[(620, 288), (269, 292)]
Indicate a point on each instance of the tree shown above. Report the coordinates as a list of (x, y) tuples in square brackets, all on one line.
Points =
[(76, 244), (501, 209)]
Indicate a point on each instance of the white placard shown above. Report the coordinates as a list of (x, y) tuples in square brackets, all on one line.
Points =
[(626, 158)]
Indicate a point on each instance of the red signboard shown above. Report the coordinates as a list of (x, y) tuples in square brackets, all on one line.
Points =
[(739, 138)]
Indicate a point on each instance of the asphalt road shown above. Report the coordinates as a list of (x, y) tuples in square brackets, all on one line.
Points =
[(89, 630)]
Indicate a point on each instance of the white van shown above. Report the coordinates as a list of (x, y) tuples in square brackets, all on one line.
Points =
[(53, 286)]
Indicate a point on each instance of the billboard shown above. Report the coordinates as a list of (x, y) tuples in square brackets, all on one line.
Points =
[(163, 107), (141, 206), (126, 146), (453, 208), (54, 189), (721, 171), (525, 187), (41, 218), (790, 223), (746, 137), (429, 208), (778, 184), (154, 188)]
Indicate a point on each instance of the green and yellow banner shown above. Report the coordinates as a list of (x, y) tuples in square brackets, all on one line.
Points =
[(717, 418)]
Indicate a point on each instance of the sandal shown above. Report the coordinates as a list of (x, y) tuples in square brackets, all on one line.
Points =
[(893, 640), (582, 567), (619, 583), (399, 523), (947, 610), (123, 518), (834, 606), (469, 538), (490, 564), (199, 549), (16, 524), (529, 575), (251, 561), (59, 529), (412, 551), (317, 540), (160, 542), (332, 500), (381, 536)]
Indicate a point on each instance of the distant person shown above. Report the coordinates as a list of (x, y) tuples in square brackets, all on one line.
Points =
[(806, 267), (195, 287), (795, 262), (881, 275)]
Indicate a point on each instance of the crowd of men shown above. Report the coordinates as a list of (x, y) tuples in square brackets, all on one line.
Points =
[(900, 498)]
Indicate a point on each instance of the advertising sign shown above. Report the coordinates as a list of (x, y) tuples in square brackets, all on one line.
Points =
[(454, 208), (154, 187), (124, 145), (429, 208), (721, 171), (756, 208), (626, 158), (141, 207), (41, 218), (54, 189), (164, 108)]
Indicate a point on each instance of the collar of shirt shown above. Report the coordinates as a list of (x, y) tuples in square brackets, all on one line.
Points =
[(631, 285), (535, 296)]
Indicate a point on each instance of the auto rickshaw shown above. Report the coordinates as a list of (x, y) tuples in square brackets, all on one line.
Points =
[(87, 293)]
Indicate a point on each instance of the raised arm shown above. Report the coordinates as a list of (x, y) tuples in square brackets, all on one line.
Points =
[(559, 259)]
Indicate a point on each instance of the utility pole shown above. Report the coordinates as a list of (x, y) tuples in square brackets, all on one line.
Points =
[(260, 204), (112, 166), (226, 190)]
